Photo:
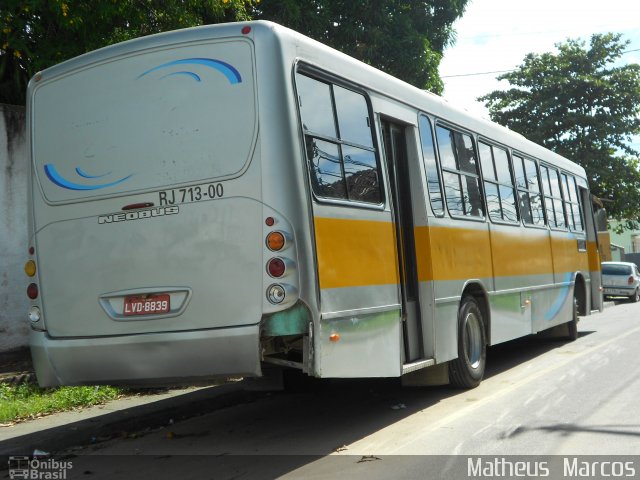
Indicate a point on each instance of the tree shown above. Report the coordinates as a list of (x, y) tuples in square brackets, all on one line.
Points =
[(40, 33), (404, 39), (583, 104)]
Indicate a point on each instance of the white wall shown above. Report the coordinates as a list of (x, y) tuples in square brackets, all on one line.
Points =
[(624, 239), (14, 326)]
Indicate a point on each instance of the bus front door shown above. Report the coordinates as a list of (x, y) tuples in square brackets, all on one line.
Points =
[(395, 150), (592, 251)]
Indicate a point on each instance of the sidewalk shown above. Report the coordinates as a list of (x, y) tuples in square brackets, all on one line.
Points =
[(130, 415), (122, 417)]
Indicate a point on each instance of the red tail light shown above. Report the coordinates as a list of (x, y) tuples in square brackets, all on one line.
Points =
[(32, 291), (630, 281), (276, 267)]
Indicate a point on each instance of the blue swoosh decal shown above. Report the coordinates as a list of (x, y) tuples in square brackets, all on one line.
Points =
[(80, 172), (195, 76), (226, 69), (563, 294), (56, 178)]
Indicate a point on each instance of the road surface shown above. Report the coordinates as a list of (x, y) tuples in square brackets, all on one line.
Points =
[(540, 397)]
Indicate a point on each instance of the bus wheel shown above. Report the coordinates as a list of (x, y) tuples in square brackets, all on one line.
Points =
[(572, 326), (467, 370), (636, 296)]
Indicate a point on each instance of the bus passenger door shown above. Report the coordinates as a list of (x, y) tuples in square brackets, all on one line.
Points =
[(592, 251), (395, 151)]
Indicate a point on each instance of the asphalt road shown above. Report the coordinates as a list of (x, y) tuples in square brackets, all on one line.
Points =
[(540, 397)]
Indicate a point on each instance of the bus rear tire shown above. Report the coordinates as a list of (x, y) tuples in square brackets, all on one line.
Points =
[(467, 370), (635, 297), (572, 325)]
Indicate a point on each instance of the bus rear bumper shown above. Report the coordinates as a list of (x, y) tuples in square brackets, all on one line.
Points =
[(149, 359)]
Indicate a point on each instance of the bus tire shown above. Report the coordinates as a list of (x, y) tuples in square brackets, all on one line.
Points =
[(635, 297), (467, 370), (572, 325)]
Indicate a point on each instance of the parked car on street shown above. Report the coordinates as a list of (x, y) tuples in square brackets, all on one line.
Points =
[(621, 279)]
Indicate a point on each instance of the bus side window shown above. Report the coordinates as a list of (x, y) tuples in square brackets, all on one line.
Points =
[(339, 143), (558, 204), (529, 198), (491, 192), (326, 169), (353, 117), (572, 203), (460, 173), (546, 187), (429, 158), (315, 106), (498, 186), (535, 195), (507, 190), (566, 200), (577, 211), (552, 197)]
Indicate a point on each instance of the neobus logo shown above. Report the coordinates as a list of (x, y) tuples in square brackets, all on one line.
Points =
[(139, 215)]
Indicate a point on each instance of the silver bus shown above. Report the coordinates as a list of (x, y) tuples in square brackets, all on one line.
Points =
[(211, 201)]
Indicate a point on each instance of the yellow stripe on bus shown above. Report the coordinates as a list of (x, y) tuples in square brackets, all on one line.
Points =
[(522, 253), (594, 256), (454, 253), (354, 253), (460, 253), (567, 257)]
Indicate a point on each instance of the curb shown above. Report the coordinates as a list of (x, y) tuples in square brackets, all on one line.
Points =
[(16, 367), (19, 377)]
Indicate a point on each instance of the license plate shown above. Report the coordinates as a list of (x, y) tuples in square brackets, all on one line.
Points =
[(616, 291), (147, 305)]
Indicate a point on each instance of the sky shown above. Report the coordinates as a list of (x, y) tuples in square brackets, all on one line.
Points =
[(495, 35)]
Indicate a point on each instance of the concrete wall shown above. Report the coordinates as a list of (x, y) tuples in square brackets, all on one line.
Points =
[(624, 239), (633, 258), (14, 326)]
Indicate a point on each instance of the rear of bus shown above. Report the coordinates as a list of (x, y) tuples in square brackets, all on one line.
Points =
[(149, 244)]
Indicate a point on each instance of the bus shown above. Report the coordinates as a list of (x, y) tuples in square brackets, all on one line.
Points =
[(234, 199)]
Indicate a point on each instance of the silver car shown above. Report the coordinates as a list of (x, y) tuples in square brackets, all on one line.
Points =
[(621, 279)]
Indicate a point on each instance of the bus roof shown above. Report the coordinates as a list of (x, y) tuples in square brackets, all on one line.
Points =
[(301, 47)]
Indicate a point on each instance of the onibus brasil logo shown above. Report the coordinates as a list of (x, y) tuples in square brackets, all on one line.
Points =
[(23, 467)]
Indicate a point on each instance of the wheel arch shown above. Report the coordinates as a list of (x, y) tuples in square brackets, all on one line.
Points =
[(476, 289), (580, 293)]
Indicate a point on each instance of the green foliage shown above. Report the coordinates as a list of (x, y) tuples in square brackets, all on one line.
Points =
[(404, 39), (27, 400), (36, 34), (584, 105)]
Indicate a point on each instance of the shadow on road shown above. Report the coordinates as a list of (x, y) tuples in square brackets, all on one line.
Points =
[(505, 356), (264, 435)]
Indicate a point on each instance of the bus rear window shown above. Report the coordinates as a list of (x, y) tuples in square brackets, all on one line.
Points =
[(146, 121)]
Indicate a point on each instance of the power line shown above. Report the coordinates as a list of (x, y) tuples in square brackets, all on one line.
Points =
[(477, 73), (511, 70)]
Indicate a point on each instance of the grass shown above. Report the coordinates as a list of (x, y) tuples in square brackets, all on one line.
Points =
[(27, 400)]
